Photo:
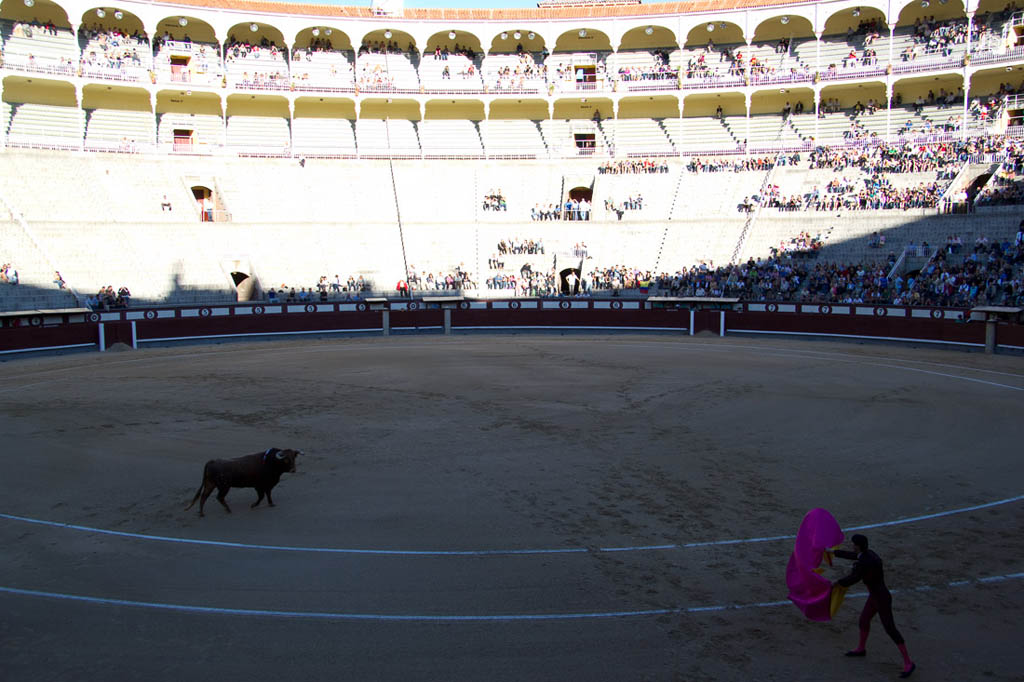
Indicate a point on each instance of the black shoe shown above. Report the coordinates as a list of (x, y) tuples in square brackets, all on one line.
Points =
[(907, 673), (856, 654)]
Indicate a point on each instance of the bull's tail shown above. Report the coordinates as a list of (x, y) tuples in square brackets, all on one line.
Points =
[(201, 486)]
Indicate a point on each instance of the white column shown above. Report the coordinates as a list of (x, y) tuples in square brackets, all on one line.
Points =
[(970, 30), (78, 103), (156, 119), (892, 34), (746, 67), (422, 106), (149, 41), (748, 97), (967, 99), (888, 108), (291, 125), (817, 50), (817, 112), (359, 106), (78, 47)]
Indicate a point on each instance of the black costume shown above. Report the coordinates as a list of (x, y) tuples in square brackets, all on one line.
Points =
[(867, 566)]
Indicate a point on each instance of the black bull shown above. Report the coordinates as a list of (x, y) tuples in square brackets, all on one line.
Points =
[(261, 470)]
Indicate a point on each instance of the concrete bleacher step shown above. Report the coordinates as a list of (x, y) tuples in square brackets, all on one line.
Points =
[(258, 133), (295, 223), (323, 136), (449, 137), (694, 135), (514, 137)]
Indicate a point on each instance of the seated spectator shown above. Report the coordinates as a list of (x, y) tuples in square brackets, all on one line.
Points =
[(495, 201)]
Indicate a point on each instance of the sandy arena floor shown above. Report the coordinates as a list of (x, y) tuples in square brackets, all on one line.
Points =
[(520, 507)]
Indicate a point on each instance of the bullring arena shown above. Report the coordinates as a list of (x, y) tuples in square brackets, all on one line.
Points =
[(506, 507), (574, 311)]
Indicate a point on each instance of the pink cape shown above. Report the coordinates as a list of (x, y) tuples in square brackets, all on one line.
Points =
[(809, 590)]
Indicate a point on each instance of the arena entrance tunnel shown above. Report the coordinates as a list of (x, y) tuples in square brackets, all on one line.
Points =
[(245, 286), (580, 203), (204, 198), (570, 281)]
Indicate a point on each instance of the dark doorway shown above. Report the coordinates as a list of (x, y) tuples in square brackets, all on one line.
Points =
[(245, 287), (586, 143), (585, 73), (204, 197), (580, 193), (179, 70), (183, 139), (570, 281)]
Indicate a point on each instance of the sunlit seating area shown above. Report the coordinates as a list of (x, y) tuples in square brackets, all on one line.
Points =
[(323, 70), (188, 62), (206, 124), (119, 130), (512, 138), (46, 125)]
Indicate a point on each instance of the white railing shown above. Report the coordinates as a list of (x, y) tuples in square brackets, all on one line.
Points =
[(213, 77), (128, 74), (43, 138), (710, 82), (997, 56), (781, 78), (852, 72), (45, 65)]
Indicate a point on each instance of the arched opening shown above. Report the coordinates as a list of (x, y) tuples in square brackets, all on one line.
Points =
[(570, 281), (579, 203), (186, 50), (245, 286), (210, 209), (517, 41), (714, 33), (583, 40)]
